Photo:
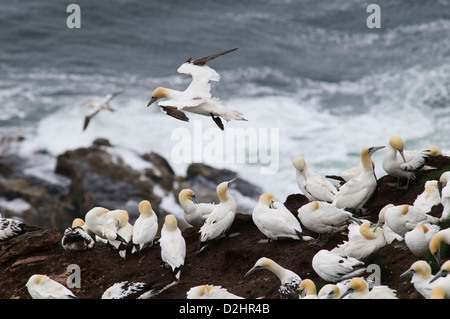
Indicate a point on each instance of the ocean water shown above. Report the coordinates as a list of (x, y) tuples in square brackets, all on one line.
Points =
[(310, 72)]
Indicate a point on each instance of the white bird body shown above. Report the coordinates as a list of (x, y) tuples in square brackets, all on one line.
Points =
[(124, 290), (442, 278), (403, 218), (221, 218), (195, 213), (358, 288), (362, 241), (196, 98), (42, 287), (124, 232), (290, 281), (76, 238), (95, 220), (145, 227), (419, 238), (313, 186), (173, 245), (442, 236), (335, 267), (10, 228), (429, 197), (210, 292), (274, 220), (356, 192), (97, 107), (389, 234), (444, 186), (329, 291), (421, 276)]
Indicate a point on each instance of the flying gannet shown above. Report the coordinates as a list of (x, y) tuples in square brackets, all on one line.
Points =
[(97, 107), (196, 98), (195, 213), (145, 227)]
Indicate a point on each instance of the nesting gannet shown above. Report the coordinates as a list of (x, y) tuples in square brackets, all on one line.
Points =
[(221, 218), (308, 289), (356, 192), (290, 281), (418, 239), (10, 228), (420, 272), (135, 290), (196, 98), (76, 238), (173, 245), (403, 218), (312, 185), (210, 292), (97, 107), (358, 288), (444, 194), (334, 267), (442, 236), (389, 234), (323, 218), (195, 213), (275, 221), (442, 279), (42, 287), (124, 235), (429, 197), (363, 240), (404, 166), (145, 227), (329, 291)]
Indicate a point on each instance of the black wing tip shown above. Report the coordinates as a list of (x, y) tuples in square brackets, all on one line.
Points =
[(176, 113), (204, 60)]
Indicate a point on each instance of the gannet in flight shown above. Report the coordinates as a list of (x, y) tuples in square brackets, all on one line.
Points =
[(103, 105), (196, 98)]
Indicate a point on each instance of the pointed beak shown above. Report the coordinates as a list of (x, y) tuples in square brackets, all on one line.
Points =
[(376, 148), (348, 291), (407, 273), (437, 256), (439, 187), (271, 204), (251, 271), (153, 99), (194, 199), (442, 273), (403, 156), (232, 181)]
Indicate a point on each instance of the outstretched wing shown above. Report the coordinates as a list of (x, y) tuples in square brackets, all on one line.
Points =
[(109, 97), (175, 112), (204, 60)]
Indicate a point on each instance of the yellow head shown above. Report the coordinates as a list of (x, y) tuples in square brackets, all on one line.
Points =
[(397, 143), (77, 222), (308, 286), (185, 195), (433, 151), (171, 222), (299, 163), (267, 199), (145, 208), (222, 189), (421, 268), (122, 217), (366, 232), (358, 284), (204, 289), (158, 93)]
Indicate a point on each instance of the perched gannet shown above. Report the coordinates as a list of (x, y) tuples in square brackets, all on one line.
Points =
[(210, 292), (196, 98), (404, 166), (10, 228), (97, 107), (444, 194), (334, 267), (195, 213), (124, 241), (442, 236), (221, 218), (429, 197), (442, 279), (76, 238), (290, 281), (312, 185), (323, 218), (438, 292), (389, 234), (356, 192), (42, 287), (173, 245), (403, 218), (418, 239), (363, 240), (359, 289), (145, 227), (308, 289), (275, 221), (420, 272), (329, 291)]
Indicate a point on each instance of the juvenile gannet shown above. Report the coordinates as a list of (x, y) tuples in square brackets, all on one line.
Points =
[(173, 245), (363, 240), (334, 267), (312, 185), (420, 272), (210, 292), (42, 287), (275, 221), (404, 166), (419, 238), (76, 238), (97, 107), (290, 281), (429, 197), (10, 228), (145, 227), (403, 218), (196, 98), (354, 194), (195, 213), (308, 289), (323, 218), (221, 218), (442, 236), (359, 289), (329, 291), (444, 194)]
